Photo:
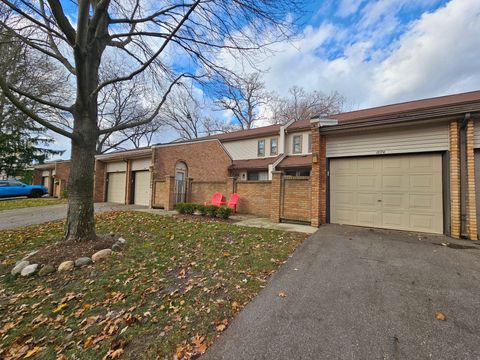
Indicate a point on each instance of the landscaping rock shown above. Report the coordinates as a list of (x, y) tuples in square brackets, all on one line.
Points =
[(19, 267), (66, 266), (47, 269), (29, 270), (83, 261), (117, 247), (100, 255)]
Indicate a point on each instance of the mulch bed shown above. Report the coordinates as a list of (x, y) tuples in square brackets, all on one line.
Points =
[(62, 251)]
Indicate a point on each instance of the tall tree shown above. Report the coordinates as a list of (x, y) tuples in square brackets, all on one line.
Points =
[(185, 114), (144, 35), (244, 96), (22, 142), (301, 105), (122, 104)]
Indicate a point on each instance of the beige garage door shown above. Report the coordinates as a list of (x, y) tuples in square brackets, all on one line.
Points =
[(391, 192), (142, 188), (116, 187)]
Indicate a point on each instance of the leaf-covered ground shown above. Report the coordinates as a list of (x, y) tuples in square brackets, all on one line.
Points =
[(170, 293), (26, 203)]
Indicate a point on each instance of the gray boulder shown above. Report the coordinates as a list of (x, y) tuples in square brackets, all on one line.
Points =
[(47, 269), (100, 255), (83, 261), (29, 270), (116, 247), (66, 266), (19, 267)]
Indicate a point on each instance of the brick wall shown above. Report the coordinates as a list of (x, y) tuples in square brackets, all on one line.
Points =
[(202, 191), (254, 197), (297, 198), (99, 184), (159, 195), (62, 172), (454, 180), (471, 196), (318, 178), (206, 161)]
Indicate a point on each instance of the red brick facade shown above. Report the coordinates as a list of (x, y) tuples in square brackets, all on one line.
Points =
[(205, 160), (255, 197), (100, 178), (296, 198), (58, 173), (62, 173)]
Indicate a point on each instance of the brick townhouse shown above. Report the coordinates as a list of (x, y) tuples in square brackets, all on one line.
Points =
[(409, 166)]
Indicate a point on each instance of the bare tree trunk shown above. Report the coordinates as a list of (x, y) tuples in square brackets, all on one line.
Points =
[(81, 217)]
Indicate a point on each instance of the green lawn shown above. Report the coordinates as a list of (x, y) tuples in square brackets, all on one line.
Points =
[(26, 203), (171, 292)]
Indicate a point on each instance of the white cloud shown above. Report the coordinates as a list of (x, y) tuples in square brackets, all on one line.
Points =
[(348, 7), (436, 54)]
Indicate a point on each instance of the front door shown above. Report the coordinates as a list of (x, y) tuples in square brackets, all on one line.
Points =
[(180, 187)]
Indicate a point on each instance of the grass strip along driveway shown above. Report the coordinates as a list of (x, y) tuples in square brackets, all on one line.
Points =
[(26, 203), (170, 292)]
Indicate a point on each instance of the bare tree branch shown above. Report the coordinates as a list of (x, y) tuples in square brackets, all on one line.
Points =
[(25, 109)]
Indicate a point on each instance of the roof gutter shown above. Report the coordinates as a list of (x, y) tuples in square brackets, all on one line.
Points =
[(451, 113)]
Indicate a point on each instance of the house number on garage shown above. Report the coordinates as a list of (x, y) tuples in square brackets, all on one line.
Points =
[(380, 152)]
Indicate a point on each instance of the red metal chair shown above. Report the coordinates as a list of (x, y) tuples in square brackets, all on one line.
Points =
[(216, 200), (232, 202)]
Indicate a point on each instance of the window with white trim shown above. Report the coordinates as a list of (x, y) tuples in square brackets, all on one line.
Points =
[(297, 144), (261, 148), (273, 146)]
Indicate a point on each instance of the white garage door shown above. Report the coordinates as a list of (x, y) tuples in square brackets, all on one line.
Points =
[(392, 192), (116, 187), (142, 188)]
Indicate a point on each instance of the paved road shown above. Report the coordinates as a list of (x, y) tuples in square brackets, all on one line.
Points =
[(359, 294), (10, 219)]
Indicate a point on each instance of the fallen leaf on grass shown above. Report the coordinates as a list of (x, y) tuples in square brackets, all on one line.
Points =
[(60, 307), (7, 327), (220, 327), (200, 346), (440, 316), (33, 352), (282, 294)]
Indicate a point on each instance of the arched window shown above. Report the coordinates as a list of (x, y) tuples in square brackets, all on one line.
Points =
[(181, 171)]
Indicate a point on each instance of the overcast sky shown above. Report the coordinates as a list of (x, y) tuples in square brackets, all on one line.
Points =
[(378, 52)]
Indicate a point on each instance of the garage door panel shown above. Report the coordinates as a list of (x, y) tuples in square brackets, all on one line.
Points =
[(422, 222), (346, 180), (394, 219), (423, 202), (392, 182), (365, 164), (423, 182), (344, 216), (393, 200), (116, 187), (344, 198), (394, 163), (142, 188), (366, 181), (365, 199), (366, 218), (404, 192)]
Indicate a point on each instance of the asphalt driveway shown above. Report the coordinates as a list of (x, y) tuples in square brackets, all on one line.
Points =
[(10, 219), (355, 293)]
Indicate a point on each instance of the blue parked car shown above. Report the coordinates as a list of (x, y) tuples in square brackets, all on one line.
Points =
[(13, 188)]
